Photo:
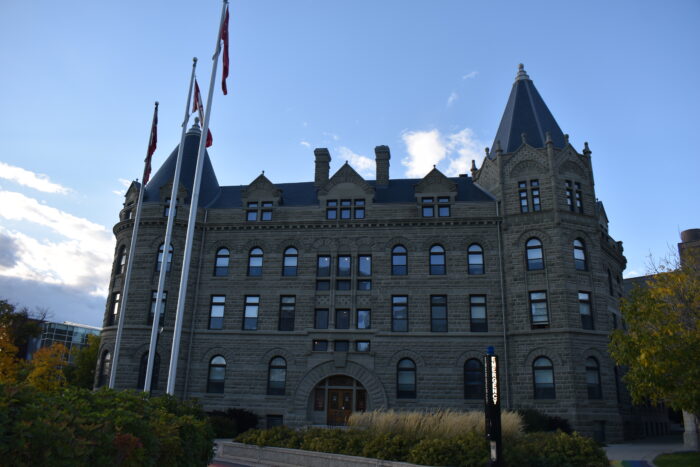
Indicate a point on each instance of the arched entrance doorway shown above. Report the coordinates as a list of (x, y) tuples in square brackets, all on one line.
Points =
[(336, 397)]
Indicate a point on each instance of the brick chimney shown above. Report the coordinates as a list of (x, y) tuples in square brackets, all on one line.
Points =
[(382, 156), (323, 166)]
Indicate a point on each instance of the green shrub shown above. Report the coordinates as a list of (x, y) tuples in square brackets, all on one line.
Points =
[(467, 450), (389, 447), (279, 436), (232, 422), (555, 450), (223, 426), (534, 420)]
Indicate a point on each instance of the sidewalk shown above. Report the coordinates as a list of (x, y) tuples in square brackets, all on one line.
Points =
[(641, 452)]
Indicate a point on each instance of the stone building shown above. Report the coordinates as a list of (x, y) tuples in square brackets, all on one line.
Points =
[(307, 301)]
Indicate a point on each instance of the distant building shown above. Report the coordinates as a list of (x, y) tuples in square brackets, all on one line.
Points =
[(74, 336), (308, 301)]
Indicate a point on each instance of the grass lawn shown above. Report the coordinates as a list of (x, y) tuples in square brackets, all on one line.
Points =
[(681, 459)]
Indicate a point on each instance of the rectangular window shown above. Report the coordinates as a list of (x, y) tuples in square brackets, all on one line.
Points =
[(365, 284), (321, 318), (341, 346), (443, 206), (477, 313), (362, 346), (153, 307), (324, 266), (345, 213), (535, 194), (216, 312), (266, 215), (342, 319), (319, 399), (166, 209), (359, 209), (579, 198), (363, 319), (287, 307), (569, 195), (584, 308), (399, 313), (428, 208), (114, 309), (323, 285), (331, 210), (523, 201), (438, 313), (343, 266), (250, 313), (251, 216), (319, 345), (364, 266), (342, 284), (539, 315)]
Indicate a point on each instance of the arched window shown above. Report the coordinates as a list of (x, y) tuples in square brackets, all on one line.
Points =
[(406, 379), (473, 379), (121, 260), (593, 379), (399, 261), (255, 262), (277, 376), (291, 257), (105, 369), (217, 375), (475, 259), (580, 255), (221, 264), (160, 257), (154, 374), (543, 377), (437, 260), (533, 252)]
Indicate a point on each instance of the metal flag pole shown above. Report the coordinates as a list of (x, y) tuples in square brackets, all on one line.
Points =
[(166, 242), (194, 201), (132, 251)]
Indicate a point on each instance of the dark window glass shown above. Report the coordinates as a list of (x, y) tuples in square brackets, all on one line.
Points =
[(331, 209), (160, 258), (121, 260), (345, 213), (105, 369), (406, 379), (343, 266), (437, 260), (428, 211), (216, 312), (287, 307), (321, 319), (250, 312), (114, 309), (523, 201), (534, 183), (580, 255), (255, 262), (538, 309), (363, 319), (364, 284), (364, 266), (362, 346), (611, 289), (444, 211), (342, 319), (399, 313), (477, 313), (155, 371), (319, 346), (217, 375), (359, 209), (535, 193), (253, 204), (221, 262), (533, 251), (323, 285), (522, 184), (584, 308), (277, 376), (266, 215), (543, 377), (438, 313), (291, 257), (166, 208), (152, 309), (399, 261), (341, 346), (593, 379), (273, 421), (475, 259), (251, 215), (569, 195), (427, 200), (579, 198), (266, 204), (473, 379), (342, 284), (324, 266)]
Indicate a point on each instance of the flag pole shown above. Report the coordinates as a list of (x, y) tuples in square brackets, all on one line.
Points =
[(194, 201), (166, 242), (132, 249)]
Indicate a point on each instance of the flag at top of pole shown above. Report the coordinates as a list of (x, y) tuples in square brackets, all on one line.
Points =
[(223, 36), (152, 143), (197, 106)]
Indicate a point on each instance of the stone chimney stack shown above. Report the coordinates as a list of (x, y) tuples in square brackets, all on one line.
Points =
[(323, 166), (382, 156)]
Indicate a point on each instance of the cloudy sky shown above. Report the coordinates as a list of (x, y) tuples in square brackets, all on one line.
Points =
[(429, 79)]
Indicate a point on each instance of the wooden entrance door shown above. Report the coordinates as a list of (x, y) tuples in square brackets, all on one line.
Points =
[(339, 406)]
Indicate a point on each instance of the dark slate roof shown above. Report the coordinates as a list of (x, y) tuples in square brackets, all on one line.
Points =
[(526, 113), (209, 187)]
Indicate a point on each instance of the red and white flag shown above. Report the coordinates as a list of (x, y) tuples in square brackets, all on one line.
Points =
[(152, 143), (198, 107), (223, 36)]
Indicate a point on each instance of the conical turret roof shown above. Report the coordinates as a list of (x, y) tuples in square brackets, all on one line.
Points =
[(209, 189), (526, 113)]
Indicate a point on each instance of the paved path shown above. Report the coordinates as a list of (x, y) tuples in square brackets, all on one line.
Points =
[(641, 453)]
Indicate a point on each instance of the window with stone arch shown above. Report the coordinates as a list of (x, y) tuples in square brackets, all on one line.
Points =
[(593, 386), (534, 254), (580, 255), (473, 379), (155, 371), (475, 259), (399, 261), (121, 260), (223, 256), (291, 258), (277, 376), (543, 378), (159, 262), (406, 379), (437, 260), (217, 375), (105, 369), (255, 262)]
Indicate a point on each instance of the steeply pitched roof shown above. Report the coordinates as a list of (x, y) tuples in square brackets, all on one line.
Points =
[(526, 113)]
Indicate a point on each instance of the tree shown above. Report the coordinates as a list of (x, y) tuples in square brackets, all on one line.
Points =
[(82, 372), (9, 363), (20, 325), (46, 373), (661, 347)]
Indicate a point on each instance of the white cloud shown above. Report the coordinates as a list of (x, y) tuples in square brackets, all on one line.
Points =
[(305, 144), (632, 273), (333, 136), (125, 183), (452, 152), (470, 75), (362, 164), (30, 179), (453, 97)]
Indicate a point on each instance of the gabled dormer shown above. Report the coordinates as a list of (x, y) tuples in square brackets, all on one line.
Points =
[(435, 194), (130, 199), (345, 195), (260, 198)]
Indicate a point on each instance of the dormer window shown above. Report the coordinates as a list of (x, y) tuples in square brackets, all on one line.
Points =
[(574, 197), (345, 209), (259, 210), (529, 199), (166, 209), (429, 206)]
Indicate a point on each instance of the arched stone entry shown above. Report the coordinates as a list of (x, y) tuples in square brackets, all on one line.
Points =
[(346, 384)]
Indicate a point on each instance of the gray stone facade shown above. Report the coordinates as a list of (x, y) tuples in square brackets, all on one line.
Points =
[(484, 210)]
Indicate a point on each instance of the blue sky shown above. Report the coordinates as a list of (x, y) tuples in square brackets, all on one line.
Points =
[(429, 79)]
